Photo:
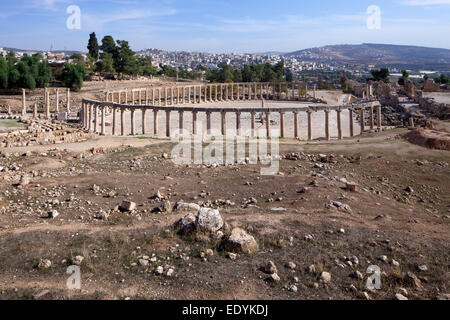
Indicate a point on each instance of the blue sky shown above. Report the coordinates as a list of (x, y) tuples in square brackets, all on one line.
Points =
[(224, 26)]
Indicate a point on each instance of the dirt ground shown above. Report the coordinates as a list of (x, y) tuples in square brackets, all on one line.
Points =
[(401, 210)]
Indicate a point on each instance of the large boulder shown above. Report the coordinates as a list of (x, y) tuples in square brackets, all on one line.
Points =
[(209, 220), (186, 224), (240, 241)]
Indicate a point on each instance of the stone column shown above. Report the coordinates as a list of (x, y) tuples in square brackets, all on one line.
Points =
[(140, 96), (171, 95), (167, 123), (144, 121), (282, 124), (68, 100), (90, 117), (296, 135), (238, 123), (35, 111), (95, 118), (184, 95), (327, 124), (166, 95), (221, 92), (126, 96), (24, 103), (226, 92), (103, 120), (208, 121), (268, 124), (180, 120), (372, 124), (210, 94), (253, 123), (306, 91), (153, 96), (215, 93), (361, 112), (194, 122), (122, 121), (133, 122), (314, 94), (379, 118), (223, 123), (309, 112), (147, 92), (114, 124), (350, 111), (255, 94), (155, 122), (47, 105), (339, 124), (57, 101)]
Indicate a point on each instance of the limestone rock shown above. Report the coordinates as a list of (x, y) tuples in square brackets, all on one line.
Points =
[(270, 267), (325, 277), (209, 220), (240, 241), (127, 205)]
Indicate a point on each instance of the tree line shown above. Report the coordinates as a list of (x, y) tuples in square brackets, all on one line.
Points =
[(30, 72)]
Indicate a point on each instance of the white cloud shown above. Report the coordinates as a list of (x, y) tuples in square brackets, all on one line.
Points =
[(425, 3)]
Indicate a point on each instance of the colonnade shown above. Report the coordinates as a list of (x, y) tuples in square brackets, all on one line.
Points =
[(93, 117), (208, 93)]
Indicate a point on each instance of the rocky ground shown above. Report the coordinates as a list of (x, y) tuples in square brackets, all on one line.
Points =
[(309, 232)]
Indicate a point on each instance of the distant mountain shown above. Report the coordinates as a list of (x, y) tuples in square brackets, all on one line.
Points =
[(369, 53)]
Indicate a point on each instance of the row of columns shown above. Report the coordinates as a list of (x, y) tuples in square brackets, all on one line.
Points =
[(46, 103), (91, 113), (210, 93)]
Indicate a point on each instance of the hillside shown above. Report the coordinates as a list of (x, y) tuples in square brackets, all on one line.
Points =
[(376, 53)]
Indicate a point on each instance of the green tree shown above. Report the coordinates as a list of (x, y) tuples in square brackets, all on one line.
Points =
[(404, 78), (11, 59), (145, 66), (73, 75), (3, 73), (125, 61), (380, 75), (93, 46), (106, 64), (109, 45)]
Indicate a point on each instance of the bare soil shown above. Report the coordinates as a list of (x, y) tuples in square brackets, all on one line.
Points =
[(409, 225)]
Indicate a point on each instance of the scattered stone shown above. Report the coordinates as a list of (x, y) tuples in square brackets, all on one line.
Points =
[(412, 280), (352, 187), (159, 270), (143, 262), (273, 278), (232, 255), (169, 272), (53, 214), (383, 258), (209, 220), (78, 260), (293, 288), (44, 264), (423, 268), (127, 205), (325, 277), (399, 296), (270, 268), (291, 265), (240, 241)]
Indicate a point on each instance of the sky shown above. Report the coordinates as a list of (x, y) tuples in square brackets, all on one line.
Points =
[(239, 26)]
